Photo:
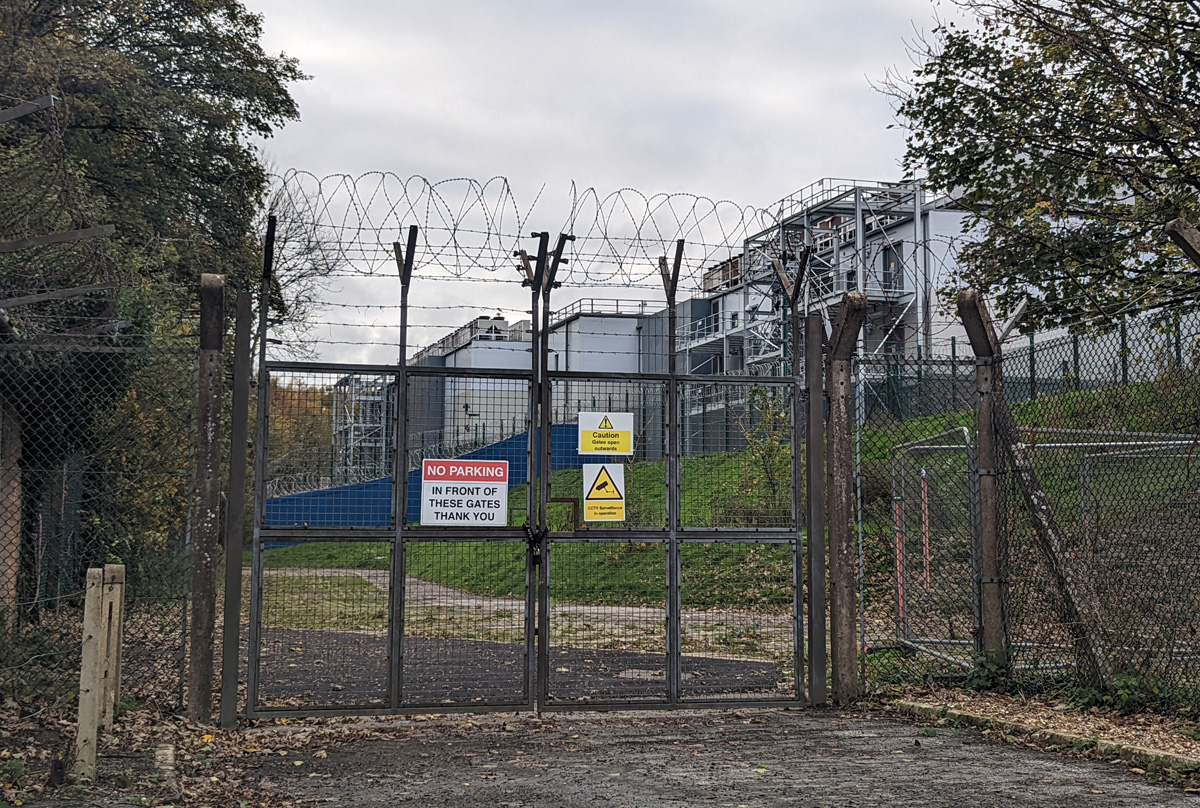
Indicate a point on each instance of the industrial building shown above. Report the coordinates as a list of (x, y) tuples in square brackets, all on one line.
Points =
[(893, 242)]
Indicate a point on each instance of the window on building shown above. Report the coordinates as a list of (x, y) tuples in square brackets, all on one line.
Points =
[(893, 267), (733, 320)]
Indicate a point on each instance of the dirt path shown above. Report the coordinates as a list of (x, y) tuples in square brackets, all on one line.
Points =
[(741, 758), (734, 633)]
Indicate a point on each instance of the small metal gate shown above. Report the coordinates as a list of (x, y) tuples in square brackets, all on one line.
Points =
[(697, 596)]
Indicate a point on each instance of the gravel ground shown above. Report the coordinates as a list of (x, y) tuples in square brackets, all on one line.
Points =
[(729, 758)]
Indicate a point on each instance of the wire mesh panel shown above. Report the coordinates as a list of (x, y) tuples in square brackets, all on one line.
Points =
[(608, 622), (465, 637), (329, 449), (738, 620), (324, 624), (917, 516), (1125, 506), (645, 470), (935, 549), (736, 468), (469, 418), (96, 466)]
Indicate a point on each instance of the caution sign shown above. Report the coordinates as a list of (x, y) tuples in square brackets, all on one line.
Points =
[(464, 492), (603, 492), (606, 433)]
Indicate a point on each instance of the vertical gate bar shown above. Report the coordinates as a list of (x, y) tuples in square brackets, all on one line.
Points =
[(260, 476), (799, 425), (532, 423), (815, 550), (542, 474), (398, 558), (235, 516), (674, 448), (815, 459)]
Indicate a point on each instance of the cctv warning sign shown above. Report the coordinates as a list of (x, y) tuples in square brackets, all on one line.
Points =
[(603, 492)]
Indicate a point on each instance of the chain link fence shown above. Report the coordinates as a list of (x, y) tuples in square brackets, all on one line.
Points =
[(1110, 426), (96, 466)]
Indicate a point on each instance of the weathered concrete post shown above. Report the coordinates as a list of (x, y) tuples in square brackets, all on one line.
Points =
[(978, 323), (843, 590), (235, 516), (207, 527)]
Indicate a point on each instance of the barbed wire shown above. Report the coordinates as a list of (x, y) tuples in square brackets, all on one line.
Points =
[(470, 229)]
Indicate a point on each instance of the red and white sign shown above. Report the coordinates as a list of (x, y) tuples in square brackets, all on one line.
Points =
[(464, 492)]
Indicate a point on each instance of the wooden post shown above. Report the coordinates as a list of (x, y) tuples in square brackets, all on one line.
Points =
[(112, 610), (207, 530), (91, 688), (843, 591), (1072, 570)]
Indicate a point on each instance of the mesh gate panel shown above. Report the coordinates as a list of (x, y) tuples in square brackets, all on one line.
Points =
[(324, 625), (737, 624), (608, 636), (464, 623)]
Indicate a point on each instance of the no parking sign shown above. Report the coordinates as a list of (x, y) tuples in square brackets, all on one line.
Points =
[(464, 492)]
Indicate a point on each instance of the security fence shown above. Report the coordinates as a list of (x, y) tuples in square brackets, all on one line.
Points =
[(1098, 588), (96, 466)]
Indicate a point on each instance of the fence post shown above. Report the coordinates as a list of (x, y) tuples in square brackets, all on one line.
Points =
[(206, 534), (1073, 573), (843, 592), (90, 682), (813, 439), (100, 667), (235, 517), (112, 611), (1033, 391), (987, 370), (1124, 353)]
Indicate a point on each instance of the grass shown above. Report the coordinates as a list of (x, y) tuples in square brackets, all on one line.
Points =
[(328, 601), (755, 577)]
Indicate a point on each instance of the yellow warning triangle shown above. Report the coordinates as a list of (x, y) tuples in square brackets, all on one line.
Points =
[(604, 487), (605, 424)]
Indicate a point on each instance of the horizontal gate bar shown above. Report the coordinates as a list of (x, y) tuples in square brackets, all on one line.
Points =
[(717, 704), (335, 368), (498, 535), (297, 366), (306, 534), (415, 709), (313, 534), (613, 536), (587, 375)]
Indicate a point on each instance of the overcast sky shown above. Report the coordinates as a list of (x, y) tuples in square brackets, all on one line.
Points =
[(747, 101)]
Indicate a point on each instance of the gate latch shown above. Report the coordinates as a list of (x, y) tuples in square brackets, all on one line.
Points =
[(534, 542)]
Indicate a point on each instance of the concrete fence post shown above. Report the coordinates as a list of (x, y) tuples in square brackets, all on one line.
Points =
[(843, 594)]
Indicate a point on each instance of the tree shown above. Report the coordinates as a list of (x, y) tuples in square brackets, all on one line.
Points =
[(157, 100), (1070, 131)]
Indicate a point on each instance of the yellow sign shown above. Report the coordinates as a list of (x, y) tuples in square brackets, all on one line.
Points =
[(604, 497), (606, 433)]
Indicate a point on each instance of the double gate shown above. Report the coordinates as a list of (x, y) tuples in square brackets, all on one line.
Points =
[(697, 596)]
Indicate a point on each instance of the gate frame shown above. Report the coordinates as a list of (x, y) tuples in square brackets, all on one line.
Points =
[(808, 580)]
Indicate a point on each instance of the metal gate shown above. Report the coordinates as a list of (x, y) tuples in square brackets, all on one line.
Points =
[(695, 596)]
